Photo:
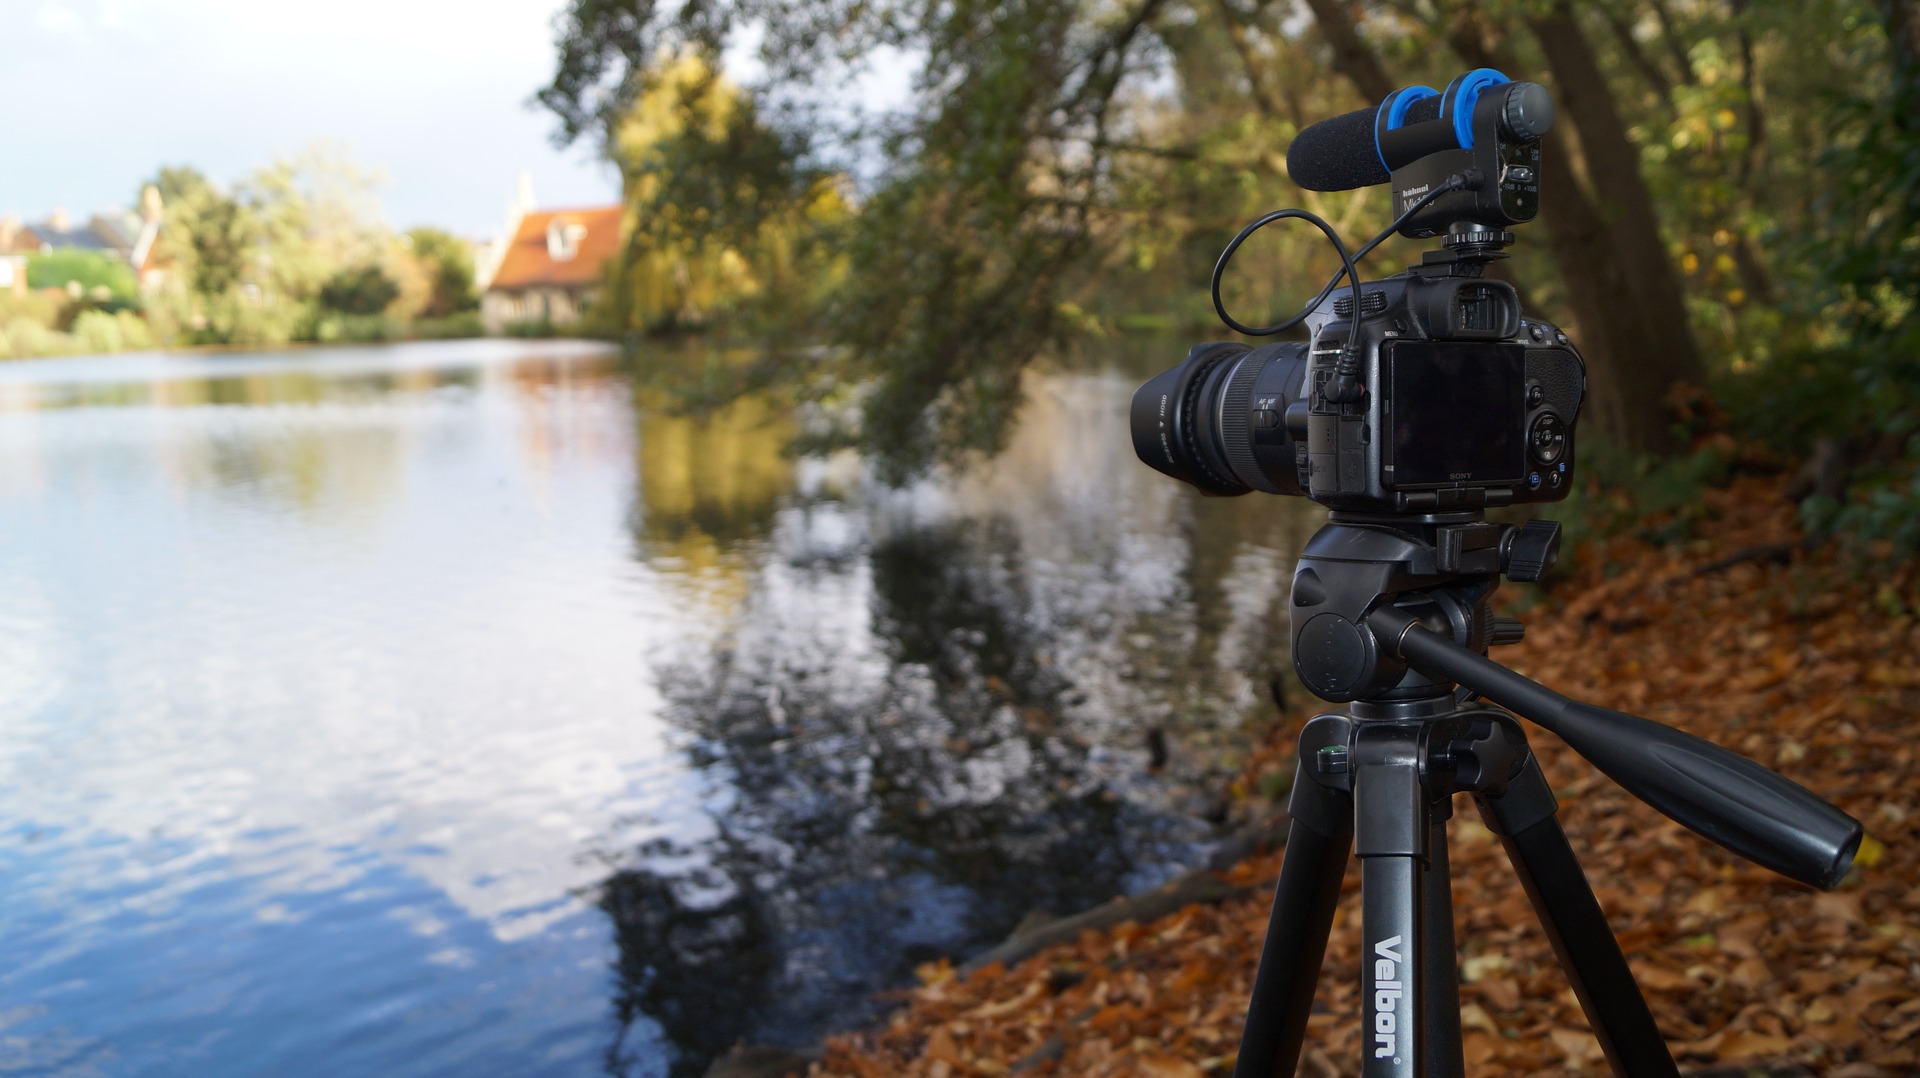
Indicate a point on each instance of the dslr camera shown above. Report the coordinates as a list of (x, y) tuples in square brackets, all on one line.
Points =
[(1426, 392)]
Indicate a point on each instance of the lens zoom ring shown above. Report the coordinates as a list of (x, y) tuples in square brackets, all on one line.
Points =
[(1236, 422)]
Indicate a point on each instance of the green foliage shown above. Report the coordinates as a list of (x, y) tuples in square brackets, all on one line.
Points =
[(34, 307), (449, 272), (725, 226), (1855, 379), (246, 266), (100, 274), (451, 327), (93, 331), (362, 290), (121, 331), (25, 338), (538, 328), (207, 235)]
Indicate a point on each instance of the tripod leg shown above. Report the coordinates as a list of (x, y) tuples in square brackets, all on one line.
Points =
[(1303, 904), (1523, 817), (1391, 832), (1441, 972)]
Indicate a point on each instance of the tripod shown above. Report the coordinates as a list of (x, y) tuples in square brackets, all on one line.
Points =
[(1393, 614)]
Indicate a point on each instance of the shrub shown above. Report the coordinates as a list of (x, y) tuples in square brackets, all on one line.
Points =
[(464, 324), (92, 269), (362, 290)]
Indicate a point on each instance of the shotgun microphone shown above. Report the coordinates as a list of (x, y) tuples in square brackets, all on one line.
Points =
[(1362, 148), (1340, 154)]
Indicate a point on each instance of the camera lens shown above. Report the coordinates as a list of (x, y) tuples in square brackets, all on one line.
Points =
[(1217, 421)]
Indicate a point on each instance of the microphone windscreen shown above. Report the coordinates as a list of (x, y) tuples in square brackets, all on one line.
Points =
[(1340, 154), (1337, 154)]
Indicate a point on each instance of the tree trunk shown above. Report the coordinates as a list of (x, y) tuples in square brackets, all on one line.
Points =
[(1651, 346)]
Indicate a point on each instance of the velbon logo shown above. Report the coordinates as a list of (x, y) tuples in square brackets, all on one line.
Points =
[(1387, 991)]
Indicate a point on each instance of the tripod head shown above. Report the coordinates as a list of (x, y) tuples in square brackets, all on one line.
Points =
[(1397, 610)]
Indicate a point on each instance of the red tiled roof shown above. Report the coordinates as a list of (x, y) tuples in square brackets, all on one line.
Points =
[(527, 262)]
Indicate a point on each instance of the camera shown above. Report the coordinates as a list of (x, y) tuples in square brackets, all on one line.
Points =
[(1469, 404), (1426, 392)]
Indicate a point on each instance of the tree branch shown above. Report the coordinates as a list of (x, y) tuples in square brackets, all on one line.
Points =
[(1263, 98), (1351, 56), (1638, 57)]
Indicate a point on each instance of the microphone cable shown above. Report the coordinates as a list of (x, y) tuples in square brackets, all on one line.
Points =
[(1345, 386)]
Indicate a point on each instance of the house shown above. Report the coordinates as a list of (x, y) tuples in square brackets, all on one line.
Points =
[(125, 235), (549, 267)]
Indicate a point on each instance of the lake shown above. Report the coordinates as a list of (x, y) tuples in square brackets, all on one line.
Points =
[(459, 708)]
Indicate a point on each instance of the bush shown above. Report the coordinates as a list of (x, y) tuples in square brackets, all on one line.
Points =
[(538, 327), (464, 324), (362, 290), (34, 306), (96, 331), (27, 338), (450, 269), (355, 329), (92, 269)]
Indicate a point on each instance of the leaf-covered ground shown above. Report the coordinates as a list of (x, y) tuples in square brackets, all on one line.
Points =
[(1794, 656)]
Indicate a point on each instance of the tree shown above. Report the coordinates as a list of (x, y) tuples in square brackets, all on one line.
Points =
[(720, 208), (362, 290), (318, 213), (247, 265), (206, 234), (449, 272)]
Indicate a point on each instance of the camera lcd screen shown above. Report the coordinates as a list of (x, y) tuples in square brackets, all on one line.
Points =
[(1456, 413)]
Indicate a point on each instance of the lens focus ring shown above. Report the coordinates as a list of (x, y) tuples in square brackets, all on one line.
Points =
[(1236, 421)]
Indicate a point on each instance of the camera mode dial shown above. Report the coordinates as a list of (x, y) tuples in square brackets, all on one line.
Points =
[(1547, 441)]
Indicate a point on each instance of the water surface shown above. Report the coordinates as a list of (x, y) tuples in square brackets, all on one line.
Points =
[(453, 708)]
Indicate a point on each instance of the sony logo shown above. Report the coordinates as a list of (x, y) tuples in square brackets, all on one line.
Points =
[(1459, 475), (1387, 991)]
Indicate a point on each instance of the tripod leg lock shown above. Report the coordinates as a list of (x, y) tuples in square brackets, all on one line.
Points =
[(1322, 797)]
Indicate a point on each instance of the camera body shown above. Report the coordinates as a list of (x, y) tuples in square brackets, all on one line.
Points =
[(1468, 404)]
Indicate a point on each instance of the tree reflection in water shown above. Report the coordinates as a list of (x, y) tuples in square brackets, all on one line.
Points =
[(905, 767)]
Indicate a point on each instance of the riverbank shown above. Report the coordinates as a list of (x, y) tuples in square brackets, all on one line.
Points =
[(1743, 632), (45, 334)]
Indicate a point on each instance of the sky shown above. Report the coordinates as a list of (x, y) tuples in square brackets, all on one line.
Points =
[(430, 92)]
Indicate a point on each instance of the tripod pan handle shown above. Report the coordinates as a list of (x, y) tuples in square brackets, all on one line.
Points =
[(1715, 792)]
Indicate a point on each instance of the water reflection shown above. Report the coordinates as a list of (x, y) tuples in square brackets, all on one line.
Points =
[(932, 709)]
